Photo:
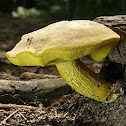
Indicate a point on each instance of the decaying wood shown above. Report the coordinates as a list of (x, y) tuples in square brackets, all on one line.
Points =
[(115, 68), (29, 76), (43, 85)]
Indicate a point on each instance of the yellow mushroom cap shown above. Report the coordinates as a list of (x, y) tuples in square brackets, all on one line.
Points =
[(63, 41)]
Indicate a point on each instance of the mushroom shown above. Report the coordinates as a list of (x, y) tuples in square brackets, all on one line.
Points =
[(63, 43)]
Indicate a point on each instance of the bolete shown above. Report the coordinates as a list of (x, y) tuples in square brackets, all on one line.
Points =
[(62, 44)]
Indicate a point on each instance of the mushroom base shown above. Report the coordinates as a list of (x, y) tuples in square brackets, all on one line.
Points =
[(85, 81)]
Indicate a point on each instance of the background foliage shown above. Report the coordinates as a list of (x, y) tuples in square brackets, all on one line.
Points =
[(66, 9)]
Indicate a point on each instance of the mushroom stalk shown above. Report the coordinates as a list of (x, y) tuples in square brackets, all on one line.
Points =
[(85, 81)]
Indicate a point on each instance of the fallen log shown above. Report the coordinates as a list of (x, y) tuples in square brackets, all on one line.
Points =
[(43, 85)]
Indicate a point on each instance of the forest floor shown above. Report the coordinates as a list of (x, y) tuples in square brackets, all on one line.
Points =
[(67, 109)]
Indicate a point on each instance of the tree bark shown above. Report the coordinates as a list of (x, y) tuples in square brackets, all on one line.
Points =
[(114, 66)]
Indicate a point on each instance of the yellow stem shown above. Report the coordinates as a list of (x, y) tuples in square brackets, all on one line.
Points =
[(85, 81)]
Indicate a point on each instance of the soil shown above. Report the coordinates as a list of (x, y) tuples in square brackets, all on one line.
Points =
[(67, 109)]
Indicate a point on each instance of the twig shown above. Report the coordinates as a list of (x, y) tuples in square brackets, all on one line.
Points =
[(63, 116), (17, 106), (78, 113), (23, 116), (5, 120), (55, 112)]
